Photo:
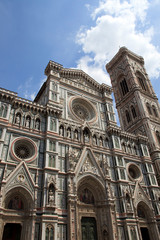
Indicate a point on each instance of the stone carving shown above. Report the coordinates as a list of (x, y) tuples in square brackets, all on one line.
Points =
[(21, 178), (105, 165), (88, 167), (72, 158)]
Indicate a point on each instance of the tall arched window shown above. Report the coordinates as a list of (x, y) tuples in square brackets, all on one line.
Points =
[(134, 114), (128, 116), (142, 84), (49, 233), (124, 87), (3, 111), (149, 108), (158, 136), (154, 111)]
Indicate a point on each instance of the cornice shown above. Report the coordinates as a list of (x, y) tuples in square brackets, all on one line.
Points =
[(123, 51), (19, 102), (70, 72)]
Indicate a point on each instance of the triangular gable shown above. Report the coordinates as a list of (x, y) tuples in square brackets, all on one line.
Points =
[(140, 195), (88, 164), (20, 177)]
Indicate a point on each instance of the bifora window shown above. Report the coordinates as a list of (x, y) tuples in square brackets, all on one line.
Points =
[(124, 87)]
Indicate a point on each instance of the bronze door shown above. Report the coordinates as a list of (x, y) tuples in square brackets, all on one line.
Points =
[(89, 228)]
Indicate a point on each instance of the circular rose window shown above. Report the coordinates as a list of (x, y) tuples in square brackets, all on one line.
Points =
[(23, 149), (134, 172), (82, 109)]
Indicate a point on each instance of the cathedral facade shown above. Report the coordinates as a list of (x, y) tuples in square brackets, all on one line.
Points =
[(68, 171)]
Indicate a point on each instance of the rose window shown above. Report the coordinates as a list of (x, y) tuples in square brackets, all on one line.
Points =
[(24, 149), (134, 172), (82, 109)]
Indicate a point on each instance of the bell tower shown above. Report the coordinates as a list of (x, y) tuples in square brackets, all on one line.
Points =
[(136, 101)]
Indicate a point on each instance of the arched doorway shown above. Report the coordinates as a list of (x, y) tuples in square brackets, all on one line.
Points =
[(17, 220), (147, 226), (12, 231), (92, 214)]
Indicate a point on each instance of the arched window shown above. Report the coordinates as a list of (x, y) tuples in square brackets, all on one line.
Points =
[(124, 147), (3, 111), (128, 116), (135, 150), (94, 140), (49, 233), (129, 149), (142, 83), (106, 143), (149, 108), (158, 136), (86, 135), (124, 87), (134, 114), (141, 212), (154, 111)]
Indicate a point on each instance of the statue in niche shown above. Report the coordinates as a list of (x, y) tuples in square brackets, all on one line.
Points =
[(18, 119), (100, 142), (51, 195), (28, 121), (37, 124), (69, 133), (61, 131), (94, 140), (76, 134), (86, 136)]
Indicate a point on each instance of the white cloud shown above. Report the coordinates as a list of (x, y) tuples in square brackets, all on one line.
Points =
[(118, 23)]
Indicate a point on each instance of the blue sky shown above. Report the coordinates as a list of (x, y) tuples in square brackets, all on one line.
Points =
[(75, 33)]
